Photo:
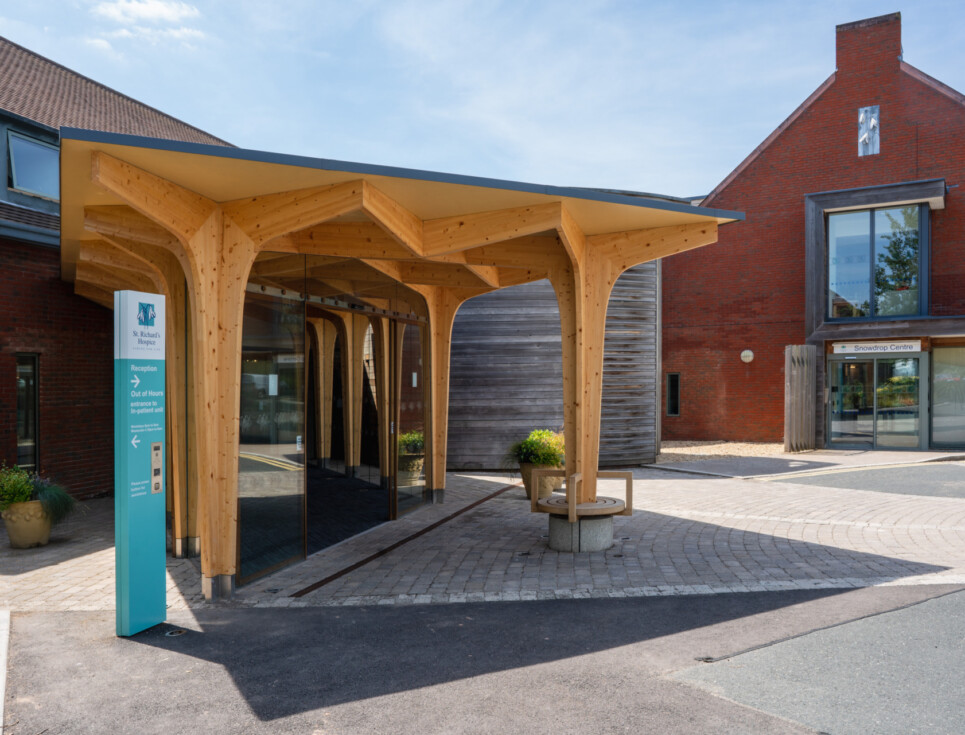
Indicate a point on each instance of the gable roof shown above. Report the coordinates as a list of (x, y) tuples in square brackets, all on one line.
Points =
[(39, 89)]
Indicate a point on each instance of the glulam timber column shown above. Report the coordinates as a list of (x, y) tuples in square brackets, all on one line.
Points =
[(325, 334), (124, 254), (216, 256), (583, 286), (442, 304)]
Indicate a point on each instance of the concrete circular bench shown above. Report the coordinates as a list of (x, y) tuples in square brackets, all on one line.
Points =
[(582, 527)]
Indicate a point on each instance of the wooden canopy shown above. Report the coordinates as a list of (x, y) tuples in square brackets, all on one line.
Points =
[(201, 223)]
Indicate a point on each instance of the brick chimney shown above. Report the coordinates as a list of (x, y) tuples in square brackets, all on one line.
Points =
[(868, 46)]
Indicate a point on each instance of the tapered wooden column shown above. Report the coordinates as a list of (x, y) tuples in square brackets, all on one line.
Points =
[(583, 287), (353, 328), (442, 304), (381, 350), (325, 334), (124, 254), (216, 256)]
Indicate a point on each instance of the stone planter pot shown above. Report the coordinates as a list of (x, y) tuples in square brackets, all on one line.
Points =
[(410, 469), (27, 524), (546, 484)]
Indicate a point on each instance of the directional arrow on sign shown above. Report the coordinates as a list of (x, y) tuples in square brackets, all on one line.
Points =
[(136, 381), (135, 441)]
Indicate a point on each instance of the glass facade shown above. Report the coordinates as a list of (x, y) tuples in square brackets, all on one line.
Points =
[(874, 263), (411, 479), (271, 459), (948, 397), (332, 407)]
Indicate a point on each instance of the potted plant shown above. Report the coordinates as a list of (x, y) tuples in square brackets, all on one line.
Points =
[(30, 505), (412, 453), (542, 449)]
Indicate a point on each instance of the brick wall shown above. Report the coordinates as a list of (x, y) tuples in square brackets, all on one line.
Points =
[(73, 338), (747, 290)]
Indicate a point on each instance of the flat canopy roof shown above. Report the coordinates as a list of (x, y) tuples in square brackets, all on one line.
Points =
[(228, 174)]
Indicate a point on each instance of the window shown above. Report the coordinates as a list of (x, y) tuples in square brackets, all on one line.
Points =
[(34, 166), (27, 410), (875, 262), (673, 394)]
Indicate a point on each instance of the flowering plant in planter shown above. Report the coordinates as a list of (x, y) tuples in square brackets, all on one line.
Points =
[(30, 505), (543, 448)]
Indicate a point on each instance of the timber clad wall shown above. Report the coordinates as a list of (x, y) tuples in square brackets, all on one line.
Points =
[(507, 379), (73, 338), (747, 291)]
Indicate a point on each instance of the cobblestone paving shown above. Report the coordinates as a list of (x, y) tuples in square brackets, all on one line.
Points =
[(688, 535)]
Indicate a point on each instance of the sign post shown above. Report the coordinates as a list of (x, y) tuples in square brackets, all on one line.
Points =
[(139, 434)]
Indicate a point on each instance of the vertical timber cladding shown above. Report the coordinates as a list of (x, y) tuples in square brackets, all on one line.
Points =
[(506, 374)]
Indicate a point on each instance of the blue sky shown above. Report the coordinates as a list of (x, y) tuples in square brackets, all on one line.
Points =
[(663, 97)]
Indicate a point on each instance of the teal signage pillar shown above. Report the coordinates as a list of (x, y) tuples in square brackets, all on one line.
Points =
[(139, 435)]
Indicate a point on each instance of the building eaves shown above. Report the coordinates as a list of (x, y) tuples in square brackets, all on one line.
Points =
[(929, 81)]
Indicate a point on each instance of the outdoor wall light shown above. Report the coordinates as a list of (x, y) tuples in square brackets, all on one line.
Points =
[(747, 356)]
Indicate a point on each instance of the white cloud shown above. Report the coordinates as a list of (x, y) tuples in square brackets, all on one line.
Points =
[(158, 35), (129, 12)]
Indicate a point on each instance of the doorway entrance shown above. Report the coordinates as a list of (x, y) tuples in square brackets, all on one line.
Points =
[(876, 403)]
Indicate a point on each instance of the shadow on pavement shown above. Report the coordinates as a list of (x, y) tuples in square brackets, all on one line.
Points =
[(744, 466), (89, 529)]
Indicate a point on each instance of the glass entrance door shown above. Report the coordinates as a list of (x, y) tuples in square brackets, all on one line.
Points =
[(852, 402), (875, 403), (897, 418)]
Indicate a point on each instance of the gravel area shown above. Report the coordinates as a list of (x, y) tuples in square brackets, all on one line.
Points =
[(692, 451)]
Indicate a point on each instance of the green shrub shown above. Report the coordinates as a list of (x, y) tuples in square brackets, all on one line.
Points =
[(541, 447), (15, 486), (412, 442)]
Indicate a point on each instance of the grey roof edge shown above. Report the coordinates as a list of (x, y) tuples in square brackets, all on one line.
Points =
[(916, 182), (30, 233), (325, 164)]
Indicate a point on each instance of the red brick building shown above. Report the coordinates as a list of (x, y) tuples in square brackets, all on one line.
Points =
[(854, 243), (56, 393)]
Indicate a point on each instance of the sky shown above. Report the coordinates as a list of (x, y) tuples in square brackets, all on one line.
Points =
[(663, 97)]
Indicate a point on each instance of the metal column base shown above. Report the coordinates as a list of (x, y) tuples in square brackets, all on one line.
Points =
[(593, 533), (219, 587)]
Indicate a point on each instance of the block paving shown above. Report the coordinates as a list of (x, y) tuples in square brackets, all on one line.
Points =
[(688, 535)]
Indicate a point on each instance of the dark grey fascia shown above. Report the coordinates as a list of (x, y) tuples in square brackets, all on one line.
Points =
[(816, 206), (30, 233)]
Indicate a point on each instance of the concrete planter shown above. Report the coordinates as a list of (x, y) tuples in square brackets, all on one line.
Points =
[(546, 484), (27, 524), (410, 469)]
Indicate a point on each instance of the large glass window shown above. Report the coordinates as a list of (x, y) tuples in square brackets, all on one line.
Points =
[(948, 397), (874, 263), (34, 166), (271, 460)]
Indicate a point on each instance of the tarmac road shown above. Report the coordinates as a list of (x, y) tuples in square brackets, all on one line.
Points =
[(580, 666)]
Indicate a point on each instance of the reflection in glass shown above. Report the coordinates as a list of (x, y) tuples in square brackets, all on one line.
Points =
[(948, 397), (896, 261), (27, 412), (849, 272), (852, 402), (412, 421), (345, 496), (271, 469), (897, 391)]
